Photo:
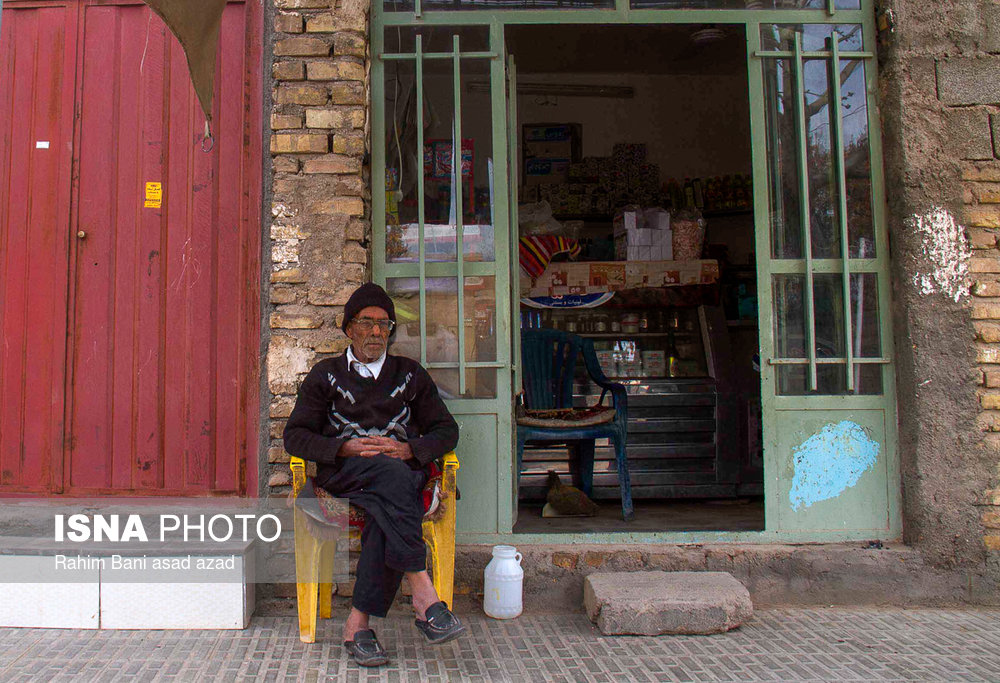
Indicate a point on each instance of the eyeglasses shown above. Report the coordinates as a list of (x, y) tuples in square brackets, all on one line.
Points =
[(368, 324)]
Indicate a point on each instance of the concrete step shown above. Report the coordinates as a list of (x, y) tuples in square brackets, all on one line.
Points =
[(657, 603)]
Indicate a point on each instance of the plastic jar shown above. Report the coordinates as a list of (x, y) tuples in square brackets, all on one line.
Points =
[(502, 583), (630, 323)]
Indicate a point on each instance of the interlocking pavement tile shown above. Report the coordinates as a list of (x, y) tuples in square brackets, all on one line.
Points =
[(776, 645)]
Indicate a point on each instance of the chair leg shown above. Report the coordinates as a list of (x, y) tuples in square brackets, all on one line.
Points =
[(326, 557), (430, 540), (445, 571), (624, 480), (521, 440), (307, 559), (585, 466), (574, 464), (442, 559)]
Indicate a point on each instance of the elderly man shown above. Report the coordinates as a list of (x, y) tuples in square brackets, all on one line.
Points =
[(372, 422)]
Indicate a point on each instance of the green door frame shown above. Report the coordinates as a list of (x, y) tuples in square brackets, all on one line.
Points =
[(482, 421), (773, 405)]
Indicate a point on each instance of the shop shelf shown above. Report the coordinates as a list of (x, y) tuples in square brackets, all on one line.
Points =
[(630, 335)]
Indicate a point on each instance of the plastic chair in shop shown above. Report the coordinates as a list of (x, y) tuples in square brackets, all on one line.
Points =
[(548, 361), (314, 550)]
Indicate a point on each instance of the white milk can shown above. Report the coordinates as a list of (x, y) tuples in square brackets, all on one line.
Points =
[(502, 584)]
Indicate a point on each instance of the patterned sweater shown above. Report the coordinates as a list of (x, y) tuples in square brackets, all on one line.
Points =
[(336, 404)]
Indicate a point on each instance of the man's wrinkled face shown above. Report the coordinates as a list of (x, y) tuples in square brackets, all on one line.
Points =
[(369, 333)]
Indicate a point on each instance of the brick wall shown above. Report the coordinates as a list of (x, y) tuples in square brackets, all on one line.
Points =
[(969, 88), (319, 222)]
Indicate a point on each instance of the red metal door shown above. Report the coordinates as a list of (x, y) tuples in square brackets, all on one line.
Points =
[(162, 361), (37, 57)]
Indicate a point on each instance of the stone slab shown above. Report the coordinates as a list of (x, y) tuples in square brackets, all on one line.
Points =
[(964, 81), (657, 603), (969, 133)]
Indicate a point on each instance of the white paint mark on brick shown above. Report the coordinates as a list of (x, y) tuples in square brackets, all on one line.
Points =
[(280, 210), (287, 231), (287, 360), (947, 249), (284, 253)]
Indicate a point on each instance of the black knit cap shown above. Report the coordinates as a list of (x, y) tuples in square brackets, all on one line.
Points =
[(368, 294)]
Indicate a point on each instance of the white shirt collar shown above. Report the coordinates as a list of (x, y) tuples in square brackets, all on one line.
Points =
[(375, 367)]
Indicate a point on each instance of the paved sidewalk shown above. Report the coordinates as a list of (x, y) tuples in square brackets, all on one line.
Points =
[(777, 645)]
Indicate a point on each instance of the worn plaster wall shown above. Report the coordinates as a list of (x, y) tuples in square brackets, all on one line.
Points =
[(940, 82), (319, 221)]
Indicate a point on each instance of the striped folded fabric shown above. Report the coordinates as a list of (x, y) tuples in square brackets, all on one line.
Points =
[(537, 251)]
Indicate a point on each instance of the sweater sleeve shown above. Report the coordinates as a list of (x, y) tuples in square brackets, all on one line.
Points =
[(438, 429), (303, 433)]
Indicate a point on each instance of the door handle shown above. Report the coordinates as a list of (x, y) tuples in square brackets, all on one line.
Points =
[(81, 234)]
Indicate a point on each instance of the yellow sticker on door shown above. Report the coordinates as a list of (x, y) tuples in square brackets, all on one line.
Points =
[(154, 195)]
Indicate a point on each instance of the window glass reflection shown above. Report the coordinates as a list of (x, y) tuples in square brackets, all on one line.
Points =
[(781, 37), (784, 188), (448, 188), (441, 304), (790, 339)]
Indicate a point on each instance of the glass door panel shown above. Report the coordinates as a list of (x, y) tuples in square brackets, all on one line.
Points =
[(422, 181), (827, 376), (814, 37), (821, 210), (857, 159), (782, 160), (441, 305)]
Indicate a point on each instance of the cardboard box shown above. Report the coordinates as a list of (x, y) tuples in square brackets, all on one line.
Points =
[(606, 359), (654, 363), (630, 368), (643, 236), (549, 149)]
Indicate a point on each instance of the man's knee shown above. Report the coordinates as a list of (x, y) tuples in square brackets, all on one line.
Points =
[(379, 465), (398, 469)]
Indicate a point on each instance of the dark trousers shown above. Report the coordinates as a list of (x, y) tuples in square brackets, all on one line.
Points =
[(388, 490)]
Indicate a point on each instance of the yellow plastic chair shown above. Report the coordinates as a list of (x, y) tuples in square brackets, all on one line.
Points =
[(314, 555)]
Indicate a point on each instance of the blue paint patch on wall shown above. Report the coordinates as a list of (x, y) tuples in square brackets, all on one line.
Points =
[(830, 462)]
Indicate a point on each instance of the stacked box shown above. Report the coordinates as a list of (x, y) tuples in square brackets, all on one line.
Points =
[(654, 363), (629, 154), (648, 185), (549, 150), (592, 185), (643, 236), (606, 358)]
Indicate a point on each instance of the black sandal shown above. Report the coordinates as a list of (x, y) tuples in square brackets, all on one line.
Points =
[(366, 649), (441, 624)]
